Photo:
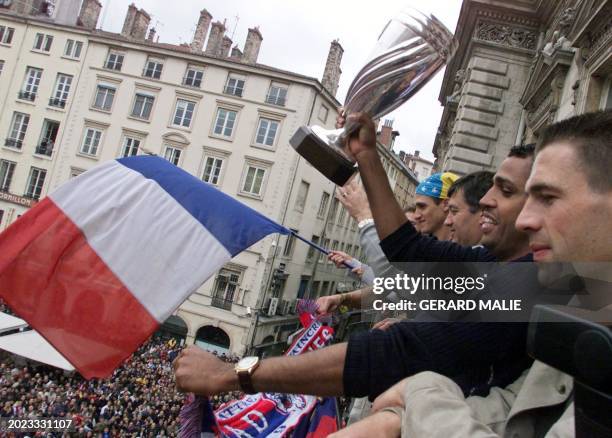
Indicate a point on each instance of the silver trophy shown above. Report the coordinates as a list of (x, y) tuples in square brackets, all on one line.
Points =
[(410, 50)]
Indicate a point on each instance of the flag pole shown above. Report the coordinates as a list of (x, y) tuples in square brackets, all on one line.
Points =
[(348, 264)]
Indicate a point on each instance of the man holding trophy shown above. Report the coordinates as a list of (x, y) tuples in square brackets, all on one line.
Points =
[(410, 50)]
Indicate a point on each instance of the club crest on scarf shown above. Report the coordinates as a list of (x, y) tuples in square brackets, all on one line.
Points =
[(270, 414)]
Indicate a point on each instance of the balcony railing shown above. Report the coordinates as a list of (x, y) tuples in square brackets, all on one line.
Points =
[(222, 303), (27, 95), (13, 143), (233, 91), (45, 149), (275, 100), (59, 103)]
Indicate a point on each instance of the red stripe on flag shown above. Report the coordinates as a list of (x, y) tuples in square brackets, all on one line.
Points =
[(53, 279)]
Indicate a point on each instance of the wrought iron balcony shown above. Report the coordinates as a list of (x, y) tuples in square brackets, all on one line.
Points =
[(13, 143), (276, 100), (222, 303), (233, 91), (45, 148), (59, 103), (27, 95)]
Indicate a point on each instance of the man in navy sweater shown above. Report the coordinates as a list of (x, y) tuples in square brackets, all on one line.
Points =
[(371, 362)]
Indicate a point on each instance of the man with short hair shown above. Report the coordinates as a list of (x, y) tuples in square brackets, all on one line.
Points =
[(464, 197), (431, 205), (373, 361), (568, 219)]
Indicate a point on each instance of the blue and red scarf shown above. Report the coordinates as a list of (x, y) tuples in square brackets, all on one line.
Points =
[(269, 414)]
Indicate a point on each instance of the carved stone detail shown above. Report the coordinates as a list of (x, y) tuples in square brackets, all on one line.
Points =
[(505, 35)]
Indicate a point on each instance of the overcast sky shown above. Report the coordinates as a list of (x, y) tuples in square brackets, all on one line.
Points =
[(296, 37)]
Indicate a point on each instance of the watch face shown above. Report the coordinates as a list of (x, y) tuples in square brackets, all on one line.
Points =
[(247, 362)]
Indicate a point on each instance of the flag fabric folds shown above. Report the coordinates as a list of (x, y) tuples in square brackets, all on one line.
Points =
[(269, 414), (105, 259)]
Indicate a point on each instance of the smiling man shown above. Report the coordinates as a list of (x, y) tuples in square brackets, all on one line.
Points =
[(464, 197), (431, 206), (568, 219), (476, 357)]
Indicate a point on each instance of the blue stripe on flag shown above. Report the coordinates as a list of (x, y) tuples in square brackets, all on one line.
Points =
[(234, 224)]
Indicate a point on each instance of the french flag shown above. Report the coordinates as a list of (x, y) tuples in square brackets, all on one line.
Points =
[(100, 263)]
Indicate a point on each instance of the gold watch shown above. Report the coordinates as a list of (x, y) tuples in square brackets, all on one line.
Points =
[(244, 370)]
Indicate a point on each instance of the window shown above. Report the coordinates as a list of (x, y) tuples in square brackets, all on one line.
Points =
[(35, 183), (266, 132), (289, 245), (19, 126), (302, 195), (212, 170), (183, 113), (91, 141), (47, 138), (277, 94), (193, 77), (43, 42), (342, 215), (153, 68), (7, 168), (311, 250), (73, 49), (6, 34), (253, 180), (1, 66), (30, 84), (130, 146), (323, 113), (143, 104), (314, 291), (104, 97), (234, 85), (74, 172), (114, 61), (224, 124), (224, 290), (325, 244), (323, 204), (62, 89), (173, 155), (332, 211)]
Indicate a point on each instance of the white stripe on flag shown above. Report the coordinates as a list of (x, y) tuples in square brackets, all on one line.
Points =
[(157, 249)]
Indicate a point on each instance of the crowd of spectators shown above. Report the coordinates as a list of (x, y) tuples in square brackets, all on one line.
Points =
[(138, 400)]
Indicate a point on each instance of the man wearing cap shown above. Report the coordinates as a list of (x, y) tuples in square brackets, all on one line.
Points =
[(432, 206)]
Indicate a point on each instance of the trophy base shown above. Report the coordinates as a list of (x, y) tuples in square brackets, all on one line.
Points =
[(322, 156)]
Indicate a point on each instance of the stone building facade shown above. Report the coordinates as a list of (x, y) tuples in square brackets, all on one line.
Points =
[(226, 120), (521, 65)]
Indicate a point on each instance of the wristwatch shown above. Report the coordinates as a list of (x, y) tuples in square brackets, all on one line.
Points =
[(364, 222), (244, 370)]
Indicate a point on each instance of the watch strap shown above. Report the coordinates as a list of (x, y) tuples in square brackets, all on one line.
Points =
[(244, 379)]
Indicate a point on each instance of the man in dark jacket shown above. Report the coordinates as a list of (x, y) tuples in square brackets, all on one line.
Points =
[(371, 362)]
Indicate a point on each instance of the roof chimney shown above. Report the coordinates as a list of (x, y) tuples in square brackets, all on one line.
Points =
[(201, 30), (226, 46), (386, 133), (141, 24), (22, 7), (236, 53), (128, 23), (90, 13), (215, 39), (151, 36), (252, 45), (331, 75)]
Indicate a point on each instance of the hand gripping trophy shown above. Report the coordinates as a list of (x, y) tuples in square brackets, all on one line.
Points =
[(410, 50)]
